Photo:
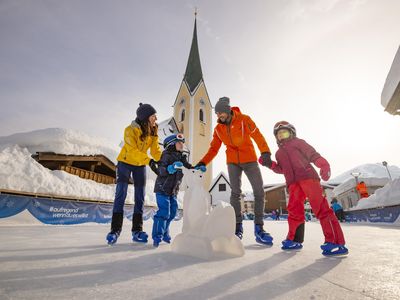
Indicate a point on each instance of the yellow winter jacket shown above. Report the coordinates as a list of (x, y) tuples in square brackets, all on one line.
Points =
[(134, 151)]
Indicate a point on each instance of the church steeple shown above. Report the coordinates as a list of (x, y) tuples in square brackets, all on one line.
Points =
[(193, 74), (193, 110)]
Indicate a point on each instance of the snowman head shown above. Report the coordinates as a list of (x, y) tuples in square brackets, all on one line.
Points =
[(192, 178)]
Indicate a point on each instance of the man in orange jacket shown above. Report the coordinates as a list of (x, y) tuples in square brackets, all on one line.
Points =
[(236, 130), (362, 189)]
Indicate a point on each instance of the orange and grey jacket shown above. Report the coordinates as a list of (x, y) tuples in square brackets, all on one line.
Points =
[(237, 136)]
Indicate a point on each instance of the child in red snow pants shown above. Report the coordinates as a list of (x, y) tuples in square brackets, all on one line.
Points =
[(311, 189), (293, 160)]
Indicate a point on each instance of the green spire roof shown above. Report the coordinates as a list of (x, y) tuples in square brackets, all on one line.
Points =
[(193, 73)]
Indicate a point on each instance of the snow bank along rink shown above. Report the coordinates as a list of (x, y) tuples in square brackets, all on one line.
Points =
[(20, 172), (74, 262)]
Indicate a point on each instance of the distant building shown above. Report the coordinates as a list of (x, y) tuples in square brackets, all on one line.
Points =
[(347, 194), (220, 189), (247, 201), (277, 196), (390, 97), (94, 167)]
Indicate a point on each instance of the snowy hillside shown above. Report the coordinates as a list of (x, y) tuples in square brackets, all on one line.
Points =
[(19, 171)]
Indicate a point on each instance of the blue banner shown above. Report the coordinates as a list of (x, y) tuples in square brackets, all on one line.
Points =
[(51, 211), (66, 212), (12, 205), (104, 213), (382, 215)]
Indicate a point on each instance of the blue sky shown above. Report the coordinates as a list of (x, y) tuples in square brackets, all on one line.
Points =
[(320, 64)]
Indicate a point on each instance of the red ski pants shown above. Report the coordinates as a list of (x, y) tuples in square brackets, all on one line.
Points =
[(311, 189)]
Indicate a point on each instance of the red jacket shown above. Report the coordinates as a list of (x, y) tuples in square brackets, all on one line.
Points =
[(236, 136), (294, 158)]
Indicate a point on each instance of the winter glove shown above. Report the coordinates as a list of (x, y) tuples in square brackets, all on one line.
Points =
[(200, 166), (325, 169), (153, 166), (174, 167), (265, 159)]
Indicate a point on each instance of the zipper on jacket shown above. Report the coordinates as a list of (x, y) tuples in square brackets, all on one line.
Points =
[(230, 137)]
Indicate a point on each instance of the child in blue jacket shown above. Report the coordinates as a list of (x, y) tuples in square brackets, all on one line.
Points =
[(167, 186)]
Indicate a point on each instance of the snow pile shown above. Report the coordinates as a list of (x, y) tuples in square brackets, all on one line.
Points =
[(371, 174), (367, 171), (20, 172), (206, 233), (386, 196), (61, 141), (351, 184)]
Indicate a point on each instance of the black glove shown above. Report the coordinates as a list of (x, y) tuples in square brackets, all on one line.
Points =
[(266, 159), (153, 166)]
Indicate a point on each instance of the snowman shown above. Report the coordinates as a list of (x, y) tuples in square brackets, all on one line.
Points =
[(206, 232)]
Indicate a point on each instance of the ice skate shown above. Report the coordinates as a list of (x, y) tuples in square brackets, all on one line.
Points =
[(112, 237), (139, 236), (291, 245), (262, 237), (331, 249)]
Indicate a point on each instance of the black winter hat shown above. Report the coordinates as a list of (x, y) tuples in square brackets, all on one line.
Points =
[(144, 111), (223, 106)]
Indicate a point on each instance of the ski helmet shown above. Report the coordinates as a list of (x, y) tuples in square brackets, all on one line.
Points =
[(173, 139), (284, 125)]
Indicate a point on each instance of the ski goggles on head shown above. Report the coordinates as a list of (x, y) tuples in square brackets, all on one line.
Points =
[(180, 138), (281, 125), (173, 139), (284, 125)]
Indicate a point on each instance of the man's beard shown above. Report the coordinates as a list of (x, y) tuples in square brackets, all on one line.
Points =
[(226, 121)]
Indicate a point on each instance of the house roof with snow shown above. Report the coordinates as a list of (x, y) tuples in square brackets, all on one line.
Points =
[(272, 187), (95, 167), (220, 177), (268, 188)]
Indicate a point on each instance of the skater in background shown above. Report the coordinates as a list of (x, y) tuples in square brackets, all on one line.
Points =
[(235, 130), (294, 158), (338, 209), (278, 214), (167, 186), (362, 190), (140, 136)]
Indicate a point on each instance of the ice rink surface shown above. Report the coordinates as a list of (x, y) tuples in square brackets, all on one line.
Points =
[(74, 262)]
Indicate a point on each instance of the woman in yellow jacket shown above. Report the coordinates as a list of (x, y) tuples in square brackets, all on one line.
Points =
[(139, 137)]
